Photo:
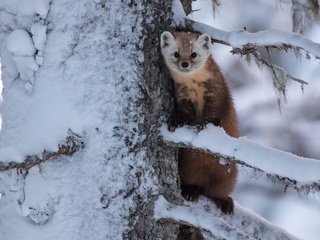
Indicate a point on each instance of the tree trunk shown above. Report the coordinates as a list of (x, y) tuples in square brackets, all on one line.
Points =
[(103, 78), (157, 104)]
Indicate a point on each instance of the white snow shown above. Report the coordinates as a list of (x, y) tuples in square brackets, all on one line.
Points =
[(26, 7), (178, 12), (39, 36), (8, 19), (269, 160), (0, 98), (32, 7), (10, 67), (243, 224), (84, 84), (21, 46), (26, 66), (20, 43)]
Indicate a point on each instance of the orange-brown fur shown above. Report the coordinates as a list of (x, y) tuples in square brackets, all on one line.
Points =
[(203, 97)]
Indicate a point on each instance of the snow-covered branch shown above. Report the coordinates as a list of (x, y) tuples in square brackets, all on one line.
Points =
[(295, 172), (243, 224), (71, 145), (242, 38), (246, 43)]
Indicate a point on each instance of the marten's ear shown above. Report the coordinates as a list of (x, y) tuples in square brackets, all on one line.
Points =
[(166, 39), (204, 40)]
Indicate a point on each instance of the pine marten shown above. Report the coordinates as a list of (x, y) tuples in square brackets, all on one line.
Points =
[(201, 96)]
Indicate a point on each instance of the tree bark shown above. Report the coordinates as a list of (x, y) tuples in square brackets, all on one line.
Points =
[(157, 106)]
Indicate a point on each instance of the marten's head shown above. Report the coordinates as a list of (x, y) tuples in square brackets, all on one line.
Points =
[(185, 52)]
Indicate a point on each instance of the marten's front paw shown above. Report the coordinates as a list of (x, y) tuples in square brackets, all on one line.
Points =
[(172, 125), (216, 121), (226, 205), (201, 126), (191, 193), (176, 123)]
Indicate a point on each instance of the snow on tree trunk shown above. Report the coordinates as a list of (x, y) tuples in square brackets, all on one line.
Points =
[(92, 68)]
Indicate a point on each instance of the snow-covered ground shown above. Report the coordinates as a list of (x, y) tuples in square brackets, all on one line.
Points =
[(295, 128)]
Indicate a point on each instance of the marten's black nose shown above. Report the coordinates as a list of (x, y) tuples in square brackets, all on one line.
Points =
[(185, 64)]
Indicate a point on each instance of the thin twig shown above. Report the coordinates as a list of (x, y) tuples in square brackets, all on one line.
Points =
[(252, 50)]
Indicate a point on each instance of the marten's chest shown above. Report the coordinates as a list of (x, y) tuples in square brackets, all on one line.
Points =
[(194, 92)]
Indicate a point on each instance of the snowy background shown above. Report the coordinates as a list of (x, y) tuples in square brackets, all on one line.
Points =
[(295, 128)]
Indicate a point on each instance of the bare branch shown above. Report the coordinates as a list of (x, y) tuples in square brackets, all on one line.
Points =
[(71, 145), (191, 138)]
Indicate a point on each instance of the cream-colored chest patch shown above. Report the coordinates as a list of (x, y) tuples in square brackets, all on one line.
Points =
[(192, 87), (195, 92)]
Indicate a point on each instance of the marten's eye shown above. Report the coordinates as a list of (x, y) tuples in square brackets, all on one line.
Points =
[(176, 54), (194, 55)]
